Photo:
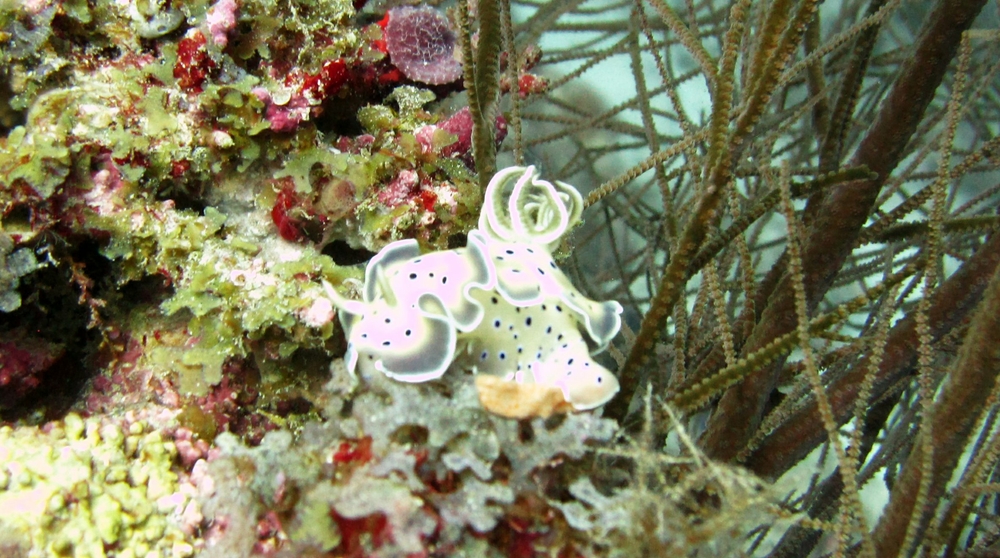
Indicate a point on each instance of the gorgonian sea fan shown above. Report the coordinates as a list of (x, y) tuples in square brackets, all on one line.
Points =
[(421, 43)]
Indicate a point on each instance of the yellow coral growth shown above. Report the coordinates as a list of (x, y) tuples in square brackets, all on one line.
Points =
[(79, 486)]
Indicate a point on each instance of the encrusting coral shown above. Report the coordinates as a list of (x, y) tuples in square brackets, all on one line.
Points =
[(81, 487), (391, 478)]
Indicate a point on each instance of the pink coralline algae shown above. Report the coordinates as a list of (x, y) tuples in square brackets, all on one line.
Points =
[(318, 314), (221, 20), (105, 196), (421, 44), (400, 189), (525, 84), (189, 448), (229, 406), (530, 84), (459, 125), (127, 380), (286, 117), (348, 82), (421, 192)]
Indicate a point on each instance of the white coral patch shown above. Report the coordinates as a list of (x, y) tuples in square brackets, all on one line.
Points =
[(252, 277), (222, 139), (318, 314)]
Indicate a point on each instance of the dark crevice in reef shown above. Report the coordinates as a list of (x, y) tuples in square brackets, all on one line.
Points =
[(343, 254), (47, 345)]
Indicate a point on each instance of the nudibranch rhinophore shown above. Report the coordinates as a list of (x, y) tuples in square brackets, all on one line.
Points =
[(499, 306)]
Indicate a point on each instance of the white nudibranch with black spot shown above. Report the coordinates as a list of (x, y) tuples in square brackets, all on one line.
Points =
[(499, 306)]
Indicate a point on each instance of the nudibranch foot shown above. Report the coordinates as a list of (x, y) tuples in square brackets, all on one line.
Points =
[(536, 344)]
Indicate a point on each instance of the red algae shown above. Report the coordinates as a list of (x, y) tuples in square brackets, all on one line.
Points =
[(193, 65), (289, 227)]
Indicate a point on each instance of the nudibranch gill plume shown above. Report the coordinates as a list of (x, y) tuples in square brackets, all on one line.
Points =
[(498, 306)]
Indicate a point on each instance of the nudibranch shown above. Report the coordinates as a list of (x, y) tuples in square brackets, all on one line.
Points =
[(498, 306)]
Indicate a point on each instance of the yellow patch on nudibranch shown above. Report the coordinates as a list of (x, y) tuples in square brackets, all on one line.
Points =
[(499, 306)]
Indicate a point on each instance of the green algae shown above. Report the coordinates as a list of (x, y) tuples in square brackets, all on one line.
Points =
[(302, 22), (41, 160), (306, 164), (116, 141), (411, 101), (232, 294)]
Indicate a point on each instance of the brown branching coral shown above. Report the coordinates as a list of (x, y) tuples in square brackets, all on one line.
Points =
[(875, 128)]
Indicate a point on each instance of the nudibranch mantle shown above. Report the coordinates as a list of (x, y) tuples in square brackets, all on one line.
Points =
[(500, 305)]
